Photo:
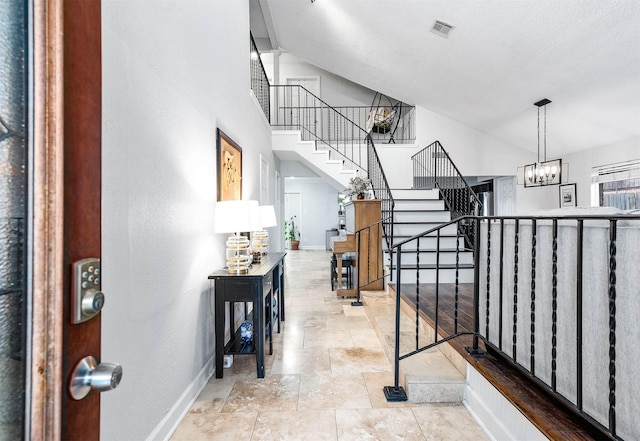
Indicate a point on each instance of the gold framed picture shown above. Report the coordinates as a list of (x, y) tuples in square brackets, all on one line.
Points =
[(229, 168)]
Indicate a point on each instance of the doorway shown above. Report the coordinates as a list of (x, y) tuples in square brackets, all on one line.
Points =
[(293, 210)]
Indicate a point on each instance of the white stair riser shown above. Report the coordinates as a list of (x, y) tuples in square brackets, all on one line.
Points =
[(415, 194), (430, 257), (429, 243), (426, 204), (413, 229), (429, 276), (422, 216)]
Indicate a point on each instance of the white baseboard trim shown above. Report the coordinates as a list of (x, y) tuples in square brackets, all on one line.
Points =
[(497, 416), (172, 419)]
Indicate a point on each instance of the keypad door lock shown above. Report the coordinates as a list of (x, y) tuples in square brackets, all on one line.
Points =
[(87, 298)]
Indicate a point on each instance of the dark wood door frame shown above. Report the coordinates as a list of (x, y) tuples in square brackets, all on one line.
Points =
[(47, 295)]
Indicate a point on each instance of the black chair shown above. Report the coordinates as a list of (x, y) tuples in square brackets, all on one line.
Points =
[(347, 270)]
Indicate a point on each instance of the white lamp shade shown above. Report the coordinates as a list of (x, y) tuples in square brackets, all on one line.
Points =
[(254, 216), (268, 216), (236, 216)]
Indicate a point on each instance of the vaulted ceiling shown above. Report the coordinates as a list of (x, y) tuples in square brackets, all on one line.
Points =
[(500, 58)]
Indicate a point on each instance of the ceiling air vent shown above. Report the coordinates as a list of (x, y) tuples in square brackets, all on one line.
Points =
[(441, 28)]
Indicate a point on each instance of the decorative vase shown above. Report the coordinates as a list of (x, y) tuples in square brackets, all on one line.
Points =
[(360, 195), (246, 331)]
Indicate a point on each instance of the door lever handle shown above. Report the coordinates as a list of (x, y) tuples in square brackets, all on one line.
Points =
[(89, 375)]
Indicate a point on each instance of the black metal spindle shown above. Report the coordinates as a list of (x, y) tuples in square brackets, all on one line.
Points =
[(514, 337), (579, 246), (534, 233), (554, 303), (475, 350), (501, 316), (488, 279), (417, 321), (612, 324), (457, 290), (437, 284)]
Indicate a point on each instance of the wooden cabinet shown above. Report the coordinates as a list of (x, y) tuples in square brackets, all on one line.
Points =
[(359, 215)]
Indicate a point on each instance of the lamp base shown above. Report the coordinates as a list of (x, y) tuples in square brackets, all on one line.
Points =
[(237, 270)]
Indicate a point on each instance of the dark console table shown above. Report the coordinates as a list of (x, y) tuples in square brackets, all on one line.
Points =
[(261, 286)]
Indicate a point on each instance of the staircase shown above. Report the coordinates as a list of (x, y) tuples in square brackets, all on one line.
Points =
[(289, 146), (417, 211)]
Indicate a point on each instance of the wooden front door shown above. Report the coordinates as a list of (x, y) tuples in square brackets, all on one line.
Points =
[(82, 199)]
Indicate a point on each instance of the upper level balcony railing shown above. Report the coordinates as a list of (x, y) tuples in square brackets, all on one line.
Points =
[(259, 80)]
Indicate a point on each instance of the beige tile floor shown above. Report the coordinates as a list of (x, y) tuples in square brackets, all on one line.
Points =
[(323, 382)]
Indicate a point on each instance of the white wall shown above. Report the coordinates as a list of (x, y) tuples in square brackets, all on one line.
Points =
[(319, 210), (334, 90), (171, 76), (581, 164)]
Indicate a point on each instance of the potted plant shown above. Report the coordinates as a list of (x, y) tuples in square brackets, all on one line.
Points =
[(358, 186), (291, 233)]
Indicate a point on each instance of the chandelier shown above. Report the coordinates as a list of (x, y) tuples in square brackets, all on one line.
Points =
[(543, 172)]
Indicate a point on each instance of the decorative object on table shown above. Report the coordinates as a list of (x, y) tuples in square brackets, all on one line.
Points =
[(260, 242), (274, 306), (246, 331), (543, 172), (291, 233), (358, 186), (237, 216), (229, 168), (568, 195)]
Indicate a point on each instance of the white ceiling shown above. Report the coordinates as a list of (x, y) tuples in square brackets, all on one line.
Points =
[(501, 57)]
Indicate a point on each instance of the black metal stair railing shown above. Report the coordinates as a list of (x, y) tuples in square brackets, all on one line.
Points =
[(402, 127), (415, 285), (259, 80), (553, 297), (381, 190), (433, 168), (296, 108)]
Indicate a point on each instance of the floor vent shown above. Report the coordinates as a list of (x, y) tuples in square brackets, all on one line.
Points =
[(441, 28)]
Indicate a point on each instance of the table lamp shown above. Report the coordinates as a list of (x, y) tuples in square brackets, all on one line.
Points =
[(236, 217), (260, 241)]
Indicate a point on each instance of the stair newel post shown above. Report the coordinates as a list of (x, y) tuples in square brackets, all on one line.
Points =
[(358, 302), (475, 349), (396, 392)]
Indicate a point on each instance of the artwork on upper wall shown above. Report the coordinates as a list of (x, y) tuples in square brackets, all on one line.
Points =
[(229, 168), (567, 195)]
